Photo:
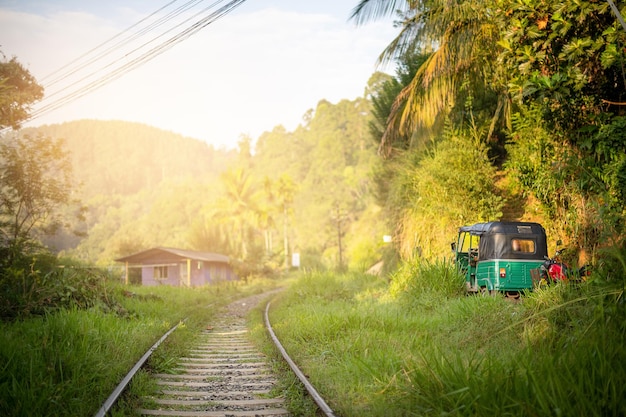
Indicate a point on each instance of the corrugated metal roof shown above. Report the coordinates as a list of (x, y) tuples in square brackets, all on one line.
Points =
[(156, 254)]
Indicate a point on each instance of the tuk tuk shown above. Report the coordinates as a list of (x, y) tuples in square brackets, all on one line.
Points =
[(500, 256)]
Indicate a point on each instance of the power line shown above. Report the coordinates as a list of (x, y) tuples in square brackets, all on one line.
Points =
[(126, 55), (77, 92), (94, 49)]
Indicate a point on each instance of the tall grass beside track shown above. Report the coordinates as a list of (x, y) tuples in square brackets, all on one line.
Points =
[(417, 346), (68, 361)]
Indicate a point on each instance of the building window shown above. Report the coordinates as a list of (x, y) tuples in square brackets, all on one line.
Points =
[(523, 245), (160, 272)]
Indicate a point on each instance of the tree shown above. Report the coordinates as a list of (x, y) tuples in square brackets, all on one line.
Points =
[(285, 191), (567, 69), (239, 206), (384, 96), (462, 36), (35, 178), (18, 90), (567, 56)]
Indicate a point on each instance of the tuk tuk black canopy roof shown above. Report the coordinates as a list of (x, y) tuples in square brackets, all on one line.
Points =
[(496, 237)]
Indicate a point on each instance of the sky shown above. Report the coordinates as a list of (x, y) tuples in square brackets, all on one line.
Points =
[(264, 64)]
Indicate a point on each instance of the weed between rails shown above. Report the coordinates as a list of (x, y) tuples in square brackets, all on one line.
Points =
[(415, 351)]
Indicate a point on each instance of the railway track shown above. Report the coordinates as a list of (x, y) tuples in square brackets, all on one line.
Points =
[(224, 375)]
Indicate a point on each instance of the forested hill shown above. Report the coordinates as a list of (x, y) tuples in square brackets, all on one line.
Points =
[(305, 191), (118, 157)]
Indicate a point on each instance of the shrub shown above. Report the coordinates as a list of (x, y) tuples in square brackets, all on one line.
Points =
[(34, 285), (421, 280)]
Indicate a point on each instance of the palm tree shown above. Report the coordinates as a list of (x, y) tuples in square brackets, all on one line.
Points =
[(286, 190), (462, 35), (240, 205), (280, 194)]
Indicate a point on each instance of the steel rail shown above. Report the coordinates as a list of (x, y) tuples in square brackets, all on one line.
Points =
[(312, 391), (106, 406)]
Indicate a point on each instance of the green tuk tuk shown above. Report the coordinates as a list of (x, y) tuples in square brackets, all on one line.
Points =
[(500, 256)]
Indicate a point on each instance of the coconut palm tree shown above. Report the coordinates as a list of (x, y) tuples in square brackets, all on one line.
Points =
[(462, 35), (240, 206)]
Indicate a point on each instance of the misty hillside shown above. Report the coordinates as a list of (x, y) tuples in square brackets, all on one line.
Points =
[(133, 180), (117, 157)]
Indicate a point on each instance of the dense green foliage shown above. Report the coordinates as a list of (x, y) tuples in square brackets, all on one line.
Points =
[(581, 194), (328, 159), (540, 84), (39, 285), (18, 90), (435, 192), (34, 181), (417, 348)]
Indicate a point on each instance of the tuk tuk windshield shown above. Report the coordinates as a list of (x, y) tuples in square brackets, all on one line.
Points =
[(467, 241)]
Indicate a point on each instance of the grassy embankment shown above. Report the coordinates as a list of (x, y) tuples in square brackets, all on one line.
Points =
[(67, 362), (418, 346)]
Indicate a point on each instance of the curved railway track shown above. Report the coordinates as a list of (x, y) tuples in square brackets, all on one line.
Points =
[(224, 375)]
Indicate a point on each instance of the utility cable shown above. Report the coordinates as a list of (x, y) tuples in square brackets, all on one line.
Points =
[(142, 59), (126, 55), (58, 70)]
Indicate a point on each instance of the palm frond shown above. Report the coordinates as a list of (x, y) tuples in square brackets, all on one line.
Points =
[(465, 38), (368, 10), (407, 41)]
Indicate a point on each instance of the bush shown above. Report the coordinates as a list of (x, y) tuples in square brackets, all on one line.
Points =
[(421, 280), (453, 185), (611, 266), (34, 285)]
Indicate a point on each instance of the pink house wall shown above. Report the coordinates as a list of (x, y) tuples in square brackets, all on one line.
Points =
[(206, 273)]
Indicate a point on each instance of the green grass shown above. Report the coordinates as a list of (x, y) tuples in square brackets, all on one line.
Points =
[(66, 363), (288, 386), (374, 348), (412, 346)]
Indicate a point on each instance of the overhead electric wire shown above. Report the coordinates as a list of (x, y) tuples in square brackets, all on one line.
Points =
[(143, 58), (128, 54), (95, 48), (118, 45), (124, 57)]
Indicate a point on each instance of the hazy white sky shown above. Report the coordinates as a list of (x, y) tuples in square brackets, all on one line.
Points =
[(264, 64)]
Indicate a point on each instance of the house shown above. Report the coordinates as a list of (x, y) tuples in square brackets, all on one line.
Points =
[(177, 267)]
